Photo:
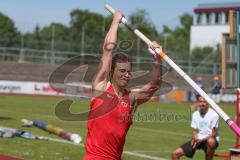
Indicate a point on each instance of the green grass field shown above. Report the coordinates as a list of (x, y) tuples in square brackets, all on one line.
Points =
[(158, 129)]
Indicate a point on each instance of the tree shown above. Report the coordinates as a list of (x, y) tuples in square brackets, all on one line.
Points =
[(57, 35), (208, 54), (42, 38), (9, 34), (33, 40), (92, 25), (178, 39), (141, 20)]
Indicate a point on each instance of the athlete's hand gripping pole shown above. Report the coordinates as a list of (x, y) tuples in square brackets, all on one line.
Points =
[(159, 51)]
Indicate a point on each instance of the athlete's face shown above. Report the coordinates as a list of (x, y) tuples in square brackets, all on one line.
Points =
[(122, 74), (203, 105)]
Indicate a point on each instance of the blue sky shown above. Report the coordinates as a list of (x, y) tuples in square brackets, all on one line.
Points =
[(28, 13)]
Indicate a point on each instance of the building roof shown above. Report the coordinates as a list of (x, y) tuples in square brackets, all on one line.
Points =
[(217, 7)]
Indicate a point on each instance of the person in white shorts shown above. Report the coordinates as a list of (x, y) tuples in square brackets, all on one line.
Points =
[(204, 135)]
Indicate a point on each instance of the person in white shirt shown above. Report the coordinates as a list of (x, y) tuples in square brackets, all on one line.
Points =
[(204, 135)]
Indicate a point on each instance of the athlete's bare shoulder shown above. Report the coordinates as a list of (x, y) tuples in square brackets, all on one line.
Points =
[(100, 87)]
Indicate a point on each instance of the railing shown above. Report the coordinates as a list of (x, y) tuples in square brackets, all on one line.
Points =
[(22, 55)]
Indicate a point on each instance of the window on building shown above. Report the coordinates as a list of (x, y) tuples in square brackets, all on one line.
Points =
[(220, 18), (217, 18), (199, 18), (208, 21), (226, 17)]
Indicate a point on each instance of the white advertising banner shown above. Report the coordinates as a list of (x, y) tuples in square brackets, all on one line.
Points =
[(33, 88), (44, 89), (71, 89)]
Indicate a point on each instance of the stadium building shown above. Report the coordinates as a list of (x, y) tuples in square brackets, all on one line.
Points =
[(210, 21)]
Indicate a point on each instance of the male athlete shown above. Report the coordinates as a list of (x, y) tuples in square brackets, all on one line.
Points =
[(111, 110)]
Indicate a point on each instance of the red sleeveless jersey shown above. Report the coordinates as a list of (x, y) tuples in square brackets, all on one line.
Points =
[(109, 120)]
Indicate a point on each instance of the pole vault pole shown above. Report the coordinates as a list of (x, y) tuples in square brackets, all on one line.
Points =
[(159, 51)]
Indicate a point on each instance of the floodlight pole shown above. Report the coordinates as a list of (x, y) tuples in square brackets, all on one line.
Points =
[(53, 45)]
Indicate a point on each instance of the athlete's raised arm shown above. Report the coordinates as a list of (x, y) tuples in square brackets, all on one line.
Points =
[(102, 76), (143, 94)]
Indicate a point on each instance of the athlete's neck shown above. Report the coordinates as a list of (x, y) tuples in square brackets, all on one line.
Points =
[(118, 90)]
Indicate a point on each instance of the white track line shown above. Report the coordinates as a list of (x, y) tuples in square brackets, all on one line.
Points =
[(161, 131), (142, 155), (64, 141), (167, 151), (125, 152), (175, 133)]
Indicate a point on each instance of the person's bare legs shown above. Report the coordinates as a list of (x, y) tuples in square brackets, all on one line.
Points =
[(177, 153), (211, 143)]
